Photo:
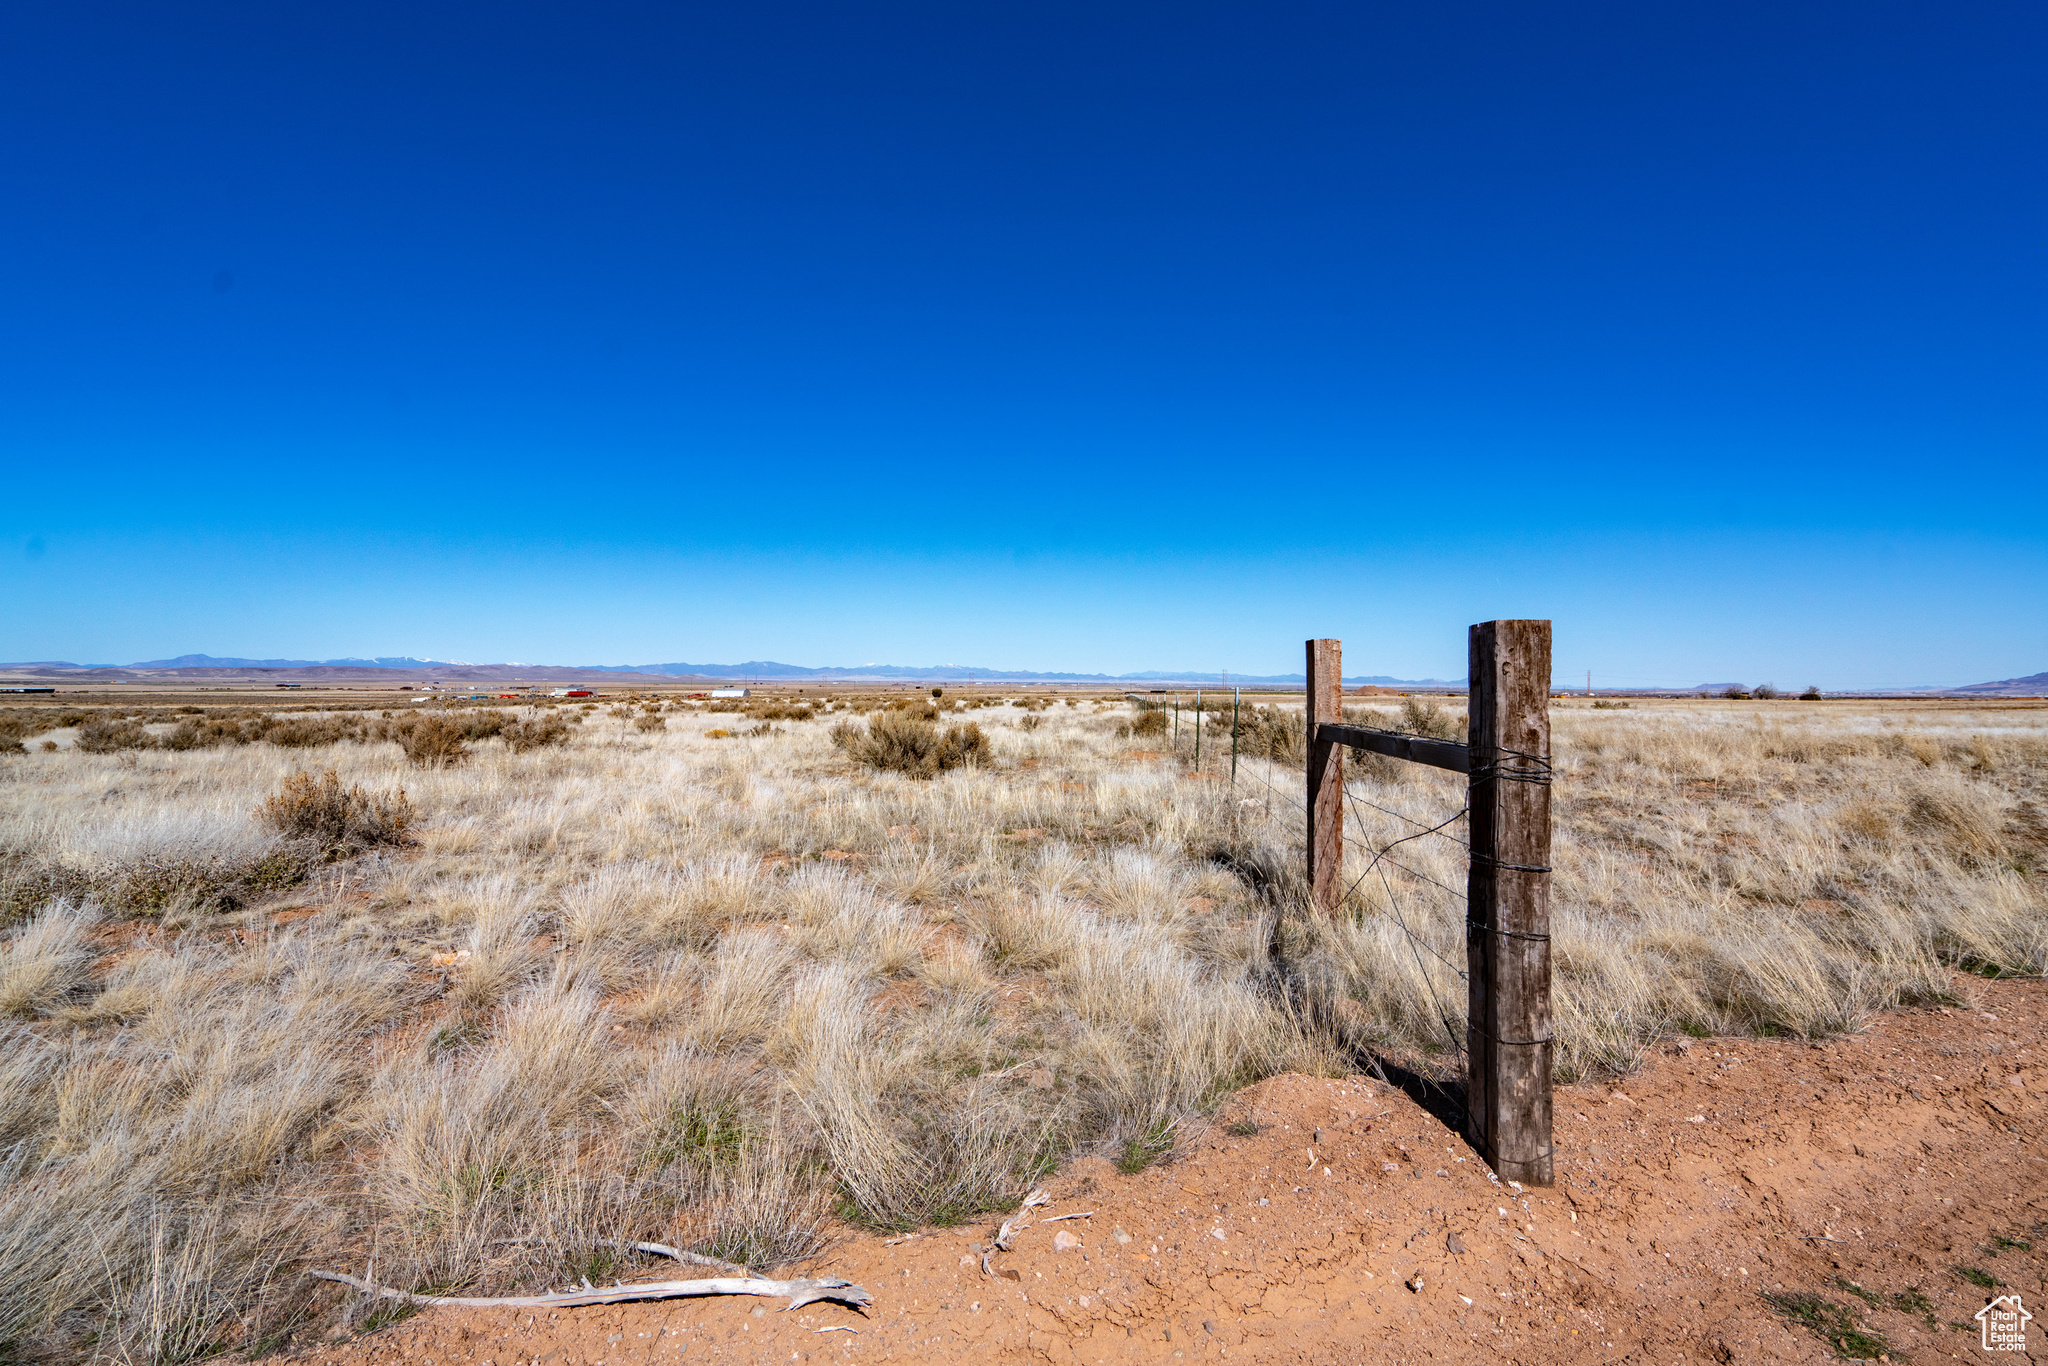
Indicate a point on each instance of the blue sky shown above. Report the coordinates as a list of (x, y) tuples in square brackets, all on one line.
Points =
[(1098, 337)]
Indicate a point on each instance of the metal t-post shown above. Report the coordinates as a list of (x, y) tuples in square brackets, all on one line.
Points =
[(1234, 697)]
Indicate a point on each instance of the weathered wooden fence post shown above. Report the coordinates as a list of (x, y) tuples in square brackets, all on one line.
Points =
[(1325, 775), (1507, 924)]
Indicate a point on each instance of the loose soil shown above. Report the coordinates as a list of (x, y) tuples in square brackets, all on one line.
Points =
[(1884, 1177)]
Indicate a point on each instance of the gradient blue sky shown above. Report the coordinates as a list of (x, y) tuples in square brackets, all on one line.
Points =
[(1055, 336)]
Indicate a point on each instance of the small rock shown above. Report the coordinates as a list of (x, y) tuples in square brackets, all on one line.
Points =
[(2017, 1079), (1217, 1234), (1119, 1234), (1064, 1241), (1208, 1327), (1455, 1243), (1414, 1284)]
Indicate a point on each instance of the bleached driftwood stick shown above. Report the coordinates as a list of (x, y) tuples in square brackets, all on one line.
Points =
[(692, 1258), (799, 1292)]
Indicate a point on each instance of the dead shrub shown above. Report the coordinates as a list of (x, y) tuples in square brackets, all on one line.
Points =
[(432, 741), (336, 817), (203, 733), (28, 884), (903, 742), (540, 732), (1273, 733), (763, 709), (309, 732), (1149, 722), (15, 727), (163, 884), (1419, 717), (109, 734), (648, 723)]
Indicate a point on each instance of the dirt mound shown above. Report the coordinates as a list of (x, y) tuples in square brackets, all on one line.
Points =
[(1739, 1201)]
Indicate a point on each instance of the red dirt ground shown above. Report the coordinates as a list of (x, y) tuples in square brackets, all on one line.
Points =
[(1353, 1227)]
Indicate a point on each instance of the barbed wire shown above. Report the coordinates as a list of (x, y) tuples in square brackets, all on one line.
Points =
[(1398, 816), (1415, 944), (1379, 862)]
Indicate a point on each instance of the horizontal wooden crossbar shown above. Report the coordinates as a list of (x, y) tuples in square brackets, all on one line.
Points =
[(1414, 748)]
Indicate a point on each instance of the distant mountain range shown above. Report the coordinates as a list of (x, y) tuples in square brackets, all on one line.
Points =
[(394, 670), (392, 666), (2033, 685), (217, 662)]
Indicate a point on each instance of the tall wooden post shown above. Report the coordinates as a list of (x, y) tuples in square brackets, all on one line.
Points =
[(1325, 775), (1507, 924)]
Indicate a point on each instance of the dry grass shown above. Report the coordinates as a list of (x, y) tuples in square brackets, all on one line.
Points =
[(633, 981)]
